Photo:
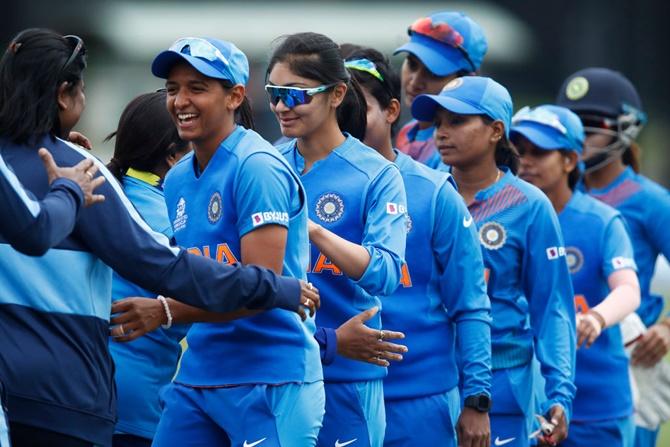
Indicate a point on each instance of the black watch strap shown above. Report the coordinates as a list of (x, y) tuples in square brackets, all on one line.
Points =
[(479, 402)]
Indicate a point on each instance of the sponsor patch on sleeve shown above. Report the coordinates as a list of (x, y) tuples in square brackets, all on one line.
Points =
[(621, 262), (555, 252), (269, 217)]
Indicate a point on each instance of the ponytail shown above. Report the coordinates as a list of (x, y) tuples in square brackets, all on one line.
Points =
[(507, 155), (115, 166), (244, 115), (352, 114)]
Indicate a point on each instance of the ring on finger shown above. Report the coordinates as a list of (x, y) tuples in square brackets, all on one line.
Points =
[(381, 335), (310, 286), (90, 176), (308, 302), (121, 329)]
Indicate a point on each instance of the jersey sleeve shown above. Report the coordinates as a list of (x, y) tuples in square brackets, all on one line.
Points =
[(114, 231), (617, 248), (462, 288), (385, 232), (548, 287), (264, 193), (34, 226), (658, 222)]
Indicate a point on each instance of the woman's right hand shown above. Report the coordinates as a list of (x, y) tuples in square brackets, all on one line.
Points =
[(309, 298), (82, 174), (356, 341)]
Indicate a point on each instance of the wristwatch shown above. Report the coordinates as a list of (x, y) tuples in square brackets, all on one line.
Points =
[(479, 402)]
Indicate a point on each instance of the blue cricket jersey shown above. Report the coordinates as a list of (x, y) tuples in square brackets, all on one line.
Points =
[(645, 206), (359, 195), (528, 283), (419, 144), (442, 295), (36, 226), (247, 184), (597, 245), (145, 365), (54, 361)]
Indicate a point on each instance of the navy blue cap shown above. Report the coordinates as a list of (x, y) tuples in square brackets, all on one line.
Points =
[(600, 91)]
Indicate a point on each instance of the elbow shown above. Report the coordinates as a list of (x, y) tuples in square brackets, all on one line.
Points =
[(31, 246)]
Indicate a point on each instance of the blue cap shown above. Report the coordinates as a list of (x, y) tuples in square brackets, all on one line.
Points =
[(600, 91), (549, 127), (446, 42), (211, 57), (469, 95)]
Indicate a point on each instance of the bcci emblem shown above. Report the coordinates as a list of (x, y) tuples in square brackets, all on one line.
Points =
[(577, 88), (214, 208), (329, 208), (453, 84), (574, 258), (492, 235)]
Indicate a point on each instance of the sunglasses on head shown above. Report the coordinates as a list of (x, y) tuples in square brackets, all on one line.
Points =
[(78, 48), (203, 49), (540, 116), (295, 96), (441, 32)]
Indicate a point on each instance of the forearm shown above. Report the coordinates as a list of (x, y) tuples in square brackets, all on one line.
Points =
[(183, 313), (623, 299), (352, 259), (474, 350)]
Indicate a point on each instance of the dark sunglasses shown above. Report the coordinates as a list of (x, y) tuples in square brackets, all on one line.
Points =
[(294, 96), (78, 48)]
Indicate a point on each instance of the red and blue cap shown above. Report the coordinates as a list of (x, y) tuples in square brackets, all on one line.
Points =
[(549, 127), (212, 57), (446, 42), (469, 95)]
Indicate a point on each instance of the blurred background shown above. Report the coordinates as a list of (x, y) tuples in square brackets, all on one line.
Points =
[(533, 46)]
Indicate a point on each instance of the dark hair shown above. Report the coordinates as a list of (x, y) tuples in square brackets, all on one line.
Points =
[(145, 136), (575, 174), (315, 56), (383, 91), (35, 64), (631, 156), (506, 153), (243, 114)]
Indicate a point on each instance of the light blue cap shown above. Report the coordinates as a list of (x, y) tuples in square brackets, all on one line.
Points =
[(469, 95), (549, 127), (211, 57)]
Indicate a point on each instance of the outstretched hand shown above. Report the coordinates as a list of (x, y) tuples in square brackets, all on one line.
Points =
[(83, 174)]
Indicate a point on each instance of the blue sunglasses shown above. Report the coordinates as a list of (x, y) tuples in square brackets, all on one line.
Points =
[(203, 49), (294, 96)]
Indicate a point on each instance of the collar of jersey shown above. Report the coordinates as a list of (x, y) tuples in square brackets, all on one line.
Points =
[(340, 150), (576, 196), (230, 143), (418, 134), (505, 179), (627, 173), (146, 177)]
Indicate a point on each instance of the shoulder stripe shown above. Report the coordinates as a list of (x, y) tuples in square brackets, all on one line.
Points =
[(507, 197), (620, 193), (32, 205)]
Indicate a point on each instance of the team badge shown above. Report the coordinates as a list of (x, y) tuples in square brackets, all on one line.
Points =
[(453, 84), (492, 235), (329, 207), (215, 208), (577, 88), (180, 218), (574, 258)]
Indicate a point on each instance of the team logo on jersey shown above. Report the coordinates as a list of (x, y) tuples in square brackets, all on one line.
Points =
[(453, 84), (492, 235), (329, 207), (574, 258), (577, 88), (555, 252), (180, 218), (215, 208)]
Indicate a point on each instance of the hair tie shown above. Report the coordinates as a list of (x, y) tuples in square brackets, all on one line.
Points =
[(14, 47)]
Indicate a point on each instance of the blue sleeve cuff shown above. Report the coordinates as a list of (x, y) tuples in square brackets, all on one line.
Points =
[(327, 340)]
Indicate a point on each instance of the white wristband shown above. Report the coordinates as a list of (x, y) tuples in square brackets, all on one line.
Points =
[(162, 299)]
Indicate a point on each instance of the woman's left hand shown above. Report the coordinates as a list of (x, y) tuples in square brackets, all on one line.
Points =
[(80, 139), (135, 317), (473, 428), (589, 328)]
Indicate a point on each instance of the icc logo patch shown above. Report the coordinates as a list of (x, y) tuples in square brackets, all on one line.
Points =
[(180, 219), (408, 223), (215, 208), (574, 258), (329, 207), (492, 235)]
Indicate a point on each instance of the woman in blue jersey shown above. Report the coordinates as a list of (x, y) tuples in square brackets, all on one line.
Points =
[(421, 393), (235, 199), (356, 206), (142, 156), (611, 111), (442, 47), (528, 278), (54, 362), (600, 258)]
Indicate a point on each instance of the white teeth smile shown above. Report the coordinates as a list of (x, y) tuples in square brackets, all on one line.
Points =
[(186, 116)]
